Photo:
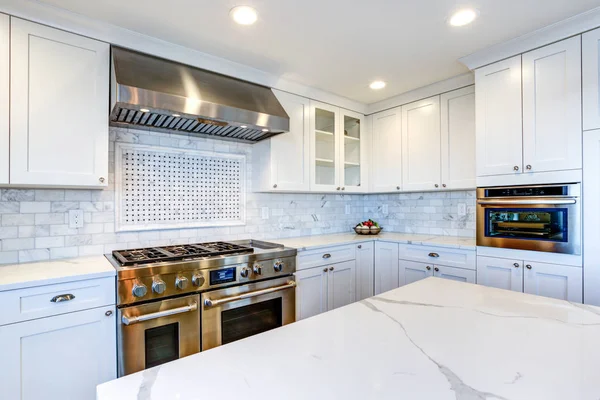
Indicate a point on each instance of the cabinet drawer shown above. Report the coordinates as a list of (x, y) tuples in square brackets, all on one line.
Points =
[(36, 302), (438, 255), (325, 256)]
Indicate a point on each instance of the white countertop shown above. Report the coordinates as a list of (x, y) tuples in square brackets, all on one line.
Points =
[(318, 241), (19, 276), (434, 339)]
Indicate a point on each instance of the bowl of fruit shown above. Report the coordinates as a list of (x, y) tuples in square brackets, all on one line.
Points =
[(369, 227)]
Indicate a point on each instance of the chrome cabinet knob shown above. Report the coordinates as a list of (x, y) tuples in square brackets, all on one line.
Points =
[(528, 266), (102, 179), (343, 188), (181, 282), (516, 167), (436, 269), (244, 272), (528, 167), (198, 280), (397, 187), (257, 269), (436, 185), (360, 246), (338, 188), (139, 289), (331, 268), (278, 266), (324, 269), (444, 185), (158, 286), (428, 268), (516, 265), (275, 186)]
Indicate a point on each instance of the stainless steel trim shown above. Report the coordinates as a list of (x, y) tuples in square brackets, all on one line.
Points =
[(538, 200), (147, 317), (62, 297), (208, 302)]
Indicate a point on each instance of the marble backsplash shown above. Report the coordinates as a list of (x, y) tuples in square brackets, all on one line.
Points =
[(34, 223)]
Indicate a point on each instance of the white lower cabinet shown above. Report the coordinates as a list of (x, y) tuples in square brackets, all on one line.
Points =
[(386, 266), (412, 271), (341, 285), (500, 273), (365, 269), (59, 357), (454, 274)]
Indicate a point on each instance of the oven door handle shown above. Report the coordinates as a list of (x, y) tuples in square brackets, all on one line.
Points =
[(526, 202), (208, 302), (147, 317)]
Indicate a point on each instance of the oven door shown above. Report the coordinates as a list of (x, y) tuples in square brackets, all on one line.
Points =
[(156, 333), (541, 224), (241, 311)]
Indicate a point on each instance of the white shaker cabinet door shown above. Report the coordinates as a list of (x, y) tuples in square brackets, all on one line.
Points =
[(498, 121), (353, 149), (591, 200), (60, 357), (591, 84), (421, 163), (341, 284), (458, 139), (386, 151), (4, 96), (455, 274), (59, 107), (500, 273), (412, 271), (551, 280), (386, 266), (365, 270), (552, 107), (311, 292), (325, 147)]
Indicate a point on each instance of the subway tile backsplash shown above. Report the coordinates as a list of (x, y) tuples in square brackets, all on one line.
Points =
[(34, 223)]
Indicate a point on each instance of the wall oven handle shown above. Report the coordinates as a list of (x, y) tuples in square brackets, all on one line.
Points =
[(215, 302), (147, 317), (526, 202)]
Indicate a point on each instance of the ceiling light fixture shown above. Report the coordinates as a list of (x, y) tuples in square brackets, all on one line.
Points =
[(463, 17), (376, 85), (243, 15)]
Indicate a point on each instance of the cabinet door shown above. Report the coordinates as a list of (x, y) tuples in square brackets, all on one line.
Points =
[(352, 151), (500, 273), (421, 141), (411, 271), (341, 284), (498, 121), (455, 274), (61, 357), (591, 199), (325, 147), (386, 151), (552, 107), (4, 96), (458, 139), (591, 84), (386, 267), (365, 270), (311, 292), (59, 107), (551, 280), (290, 152)]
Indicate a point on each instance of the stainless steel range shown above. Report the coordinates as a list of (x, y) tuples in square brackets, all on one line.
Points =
[(175, 301)]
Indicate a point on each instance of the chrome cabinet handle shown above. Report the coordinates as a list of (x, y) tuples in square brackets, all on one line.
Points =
[(436, 269), (275, 186), (211, 303), (501, 202), (62, 297), (528, 167), (516, 168), (397, 187), (331, 268), (434, 255), (147, 317), (360, 246), (428, 268), (516, 265), (326, 255), (108, 313), (528, 266)]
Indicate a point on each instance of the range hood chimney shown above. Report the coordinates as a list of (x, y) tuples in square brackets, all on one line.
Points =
[(157, 94)]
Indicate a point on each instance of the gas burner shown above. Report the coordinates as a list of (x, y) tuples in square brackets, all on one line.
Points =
[(140, 256), (186, 251)]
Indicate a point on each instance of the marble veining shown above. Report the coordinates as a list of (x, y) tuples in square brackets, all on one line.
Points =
[(434, 339)]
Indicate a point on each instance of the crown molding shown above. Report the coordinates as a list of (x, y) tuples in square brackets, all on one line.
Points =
[(66, 20), (552, 33)]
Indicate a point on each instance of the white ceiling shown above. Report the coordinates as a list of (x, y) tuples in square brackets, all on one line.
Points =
[(336, 45)]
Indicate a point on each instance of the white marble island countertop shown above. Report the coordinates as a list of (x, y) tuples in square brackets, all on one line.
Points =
[(434, 339)]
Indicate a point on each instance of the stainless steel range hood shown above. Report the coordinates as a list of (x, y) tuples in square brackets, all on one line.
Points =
[(157, 94)]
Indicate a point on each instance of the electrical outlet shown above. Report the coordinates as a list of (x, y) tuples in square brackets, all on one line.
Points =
[(348, 211), (384, 209), (462, 209), (75, 218), (265, 213)]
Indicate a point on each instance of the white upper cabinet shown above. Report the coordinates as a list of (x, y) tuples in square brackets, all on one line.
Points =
[(591, 84), (59, 107), (498, 118), (283, 161), (557, 281), (4, 96), (421, 162), (552, 107), (500, 273), (325, 147), (458, 139), (386, 151), (352, 152)]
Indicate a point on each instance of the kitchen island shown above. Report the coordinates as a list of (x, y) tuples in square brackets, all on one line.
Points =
[(434, 339)]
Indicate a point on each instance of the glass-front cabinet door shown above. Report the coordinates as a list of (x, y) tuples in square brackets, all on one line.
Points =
[(325, 160), (352, 151)]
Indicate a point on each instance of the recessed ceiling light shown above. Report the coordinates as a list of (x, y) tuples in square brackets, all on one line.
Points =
[(265, 130), (463, 17), (376, 85), (144, 110), (243, 15)]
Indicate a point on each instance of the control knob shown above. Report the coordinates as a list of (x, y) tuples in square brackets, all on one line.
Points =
[(278, 266), (257, 268), (139, 289), (198, 280), (244, 272), (158, 286), (181, 282)]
